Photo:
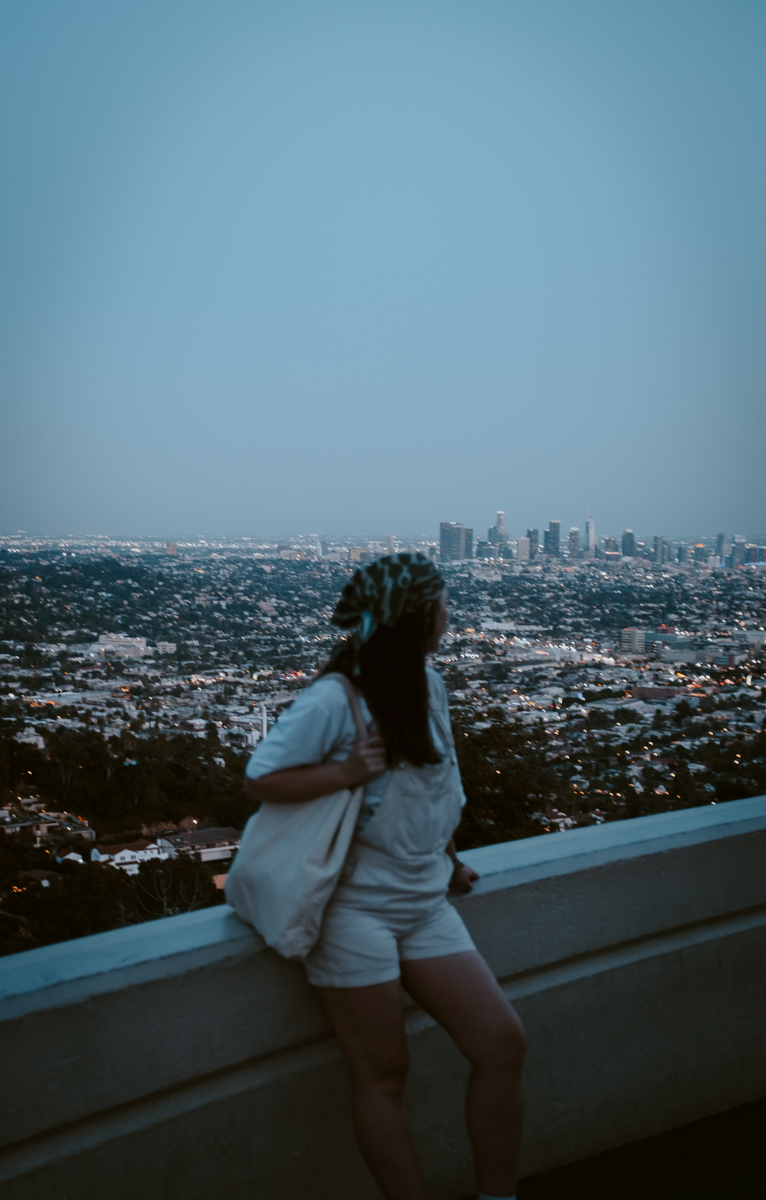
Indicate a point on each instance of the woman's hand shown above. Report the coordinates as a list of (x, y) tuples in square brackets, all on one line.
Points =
[(463, 878), (366, 760)]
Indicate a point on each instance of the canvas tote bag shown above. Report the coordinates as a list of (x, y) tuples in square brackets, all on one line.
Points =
[(290, 860)]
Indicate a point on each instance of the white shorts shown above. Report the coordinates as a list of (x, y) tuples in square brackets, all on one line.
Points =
[(358, 947)]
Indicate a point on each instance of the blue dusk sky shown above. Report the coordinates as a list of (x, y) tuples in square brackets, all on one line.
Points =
[(359, 267)]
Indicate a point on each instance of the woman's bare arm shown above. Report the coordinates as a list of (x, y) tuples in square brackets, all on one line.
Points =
[(309, 782)]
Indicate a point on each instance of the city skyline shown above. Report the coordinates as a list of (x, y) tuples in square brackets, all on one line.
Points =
[(603, 530)]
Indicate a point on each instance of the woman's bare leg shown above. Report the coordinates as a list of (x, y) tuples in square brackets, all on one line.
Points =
[(461, 993), (369, 1024)]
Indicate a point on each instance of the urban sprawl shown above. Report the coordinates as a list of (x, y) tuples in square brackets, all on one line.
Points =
[(590, 680)]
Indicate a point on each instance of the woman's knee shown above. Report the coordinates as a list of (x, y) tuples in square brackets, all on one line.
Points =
[(513, 1041), (384, 1073), (504, 1045)]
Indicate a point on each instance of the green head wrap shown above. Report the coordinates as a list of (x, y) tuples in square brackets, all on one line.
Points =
[(379, 593)]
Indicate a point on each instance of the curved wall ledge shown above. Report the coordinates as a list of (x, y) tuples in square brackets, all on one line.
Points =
[(181, 1058)]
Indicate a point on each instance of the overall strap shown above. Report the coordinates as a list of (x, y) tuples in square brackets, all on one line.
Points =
[(443, 726), (441, 718), (352, 696)]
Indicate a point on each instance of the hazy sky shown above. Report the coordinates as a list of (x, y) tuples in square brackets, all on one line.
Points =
[(361, 267)]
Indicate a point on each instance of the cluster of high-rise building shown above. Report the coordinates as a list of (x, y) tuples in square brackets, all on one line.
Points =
[(456, 543)]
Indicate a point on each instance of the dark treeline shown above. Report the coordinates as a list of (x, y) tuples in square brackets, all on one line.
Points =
[(125, 787), (46, 900), (125, 782), (514, 774)]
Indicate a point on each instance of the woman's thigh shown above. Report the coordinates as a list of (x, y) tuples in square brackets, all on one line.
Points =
[(461, 993), (369, 1024)]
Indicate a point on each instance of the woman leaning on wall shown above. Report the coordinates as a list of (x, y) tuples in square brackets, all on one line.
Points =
[(346, 865)]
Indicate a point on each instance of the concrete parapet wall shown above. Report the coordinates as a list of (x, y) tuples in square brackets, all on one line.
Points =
[(181, 1058)]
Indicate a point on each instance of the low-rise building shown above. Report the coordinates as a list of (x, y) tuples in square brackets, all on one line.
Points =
[(129, 856), (32, 737), (209, 844), (633, 641), (117, 645)]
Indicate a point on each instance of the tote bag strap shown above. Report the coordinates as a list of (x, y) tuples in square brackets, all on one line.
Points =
[(352, 696)]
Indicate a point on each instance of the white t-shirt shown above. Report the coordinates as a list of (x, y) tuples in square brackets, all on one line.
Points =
[(319, 727)]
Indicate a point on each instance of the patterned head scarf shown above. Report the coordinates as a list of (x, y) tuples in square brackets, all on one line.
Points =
[(379, 593)]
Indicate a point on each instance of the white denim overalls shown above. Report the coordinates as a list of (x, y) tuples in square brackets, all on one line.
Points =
[(390, 904)]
